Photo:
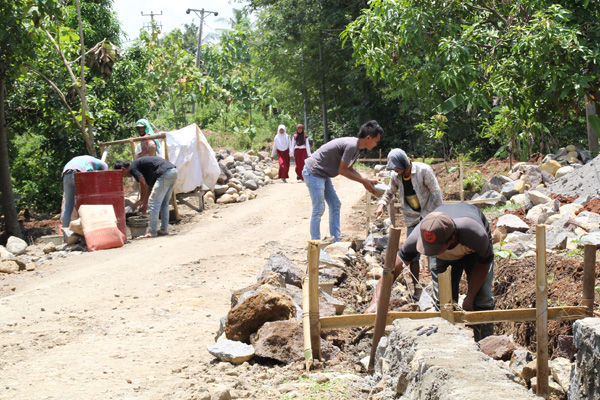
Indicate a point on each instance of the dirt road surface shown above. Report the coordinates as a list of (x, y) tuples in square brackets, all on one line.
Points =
[(128, 323)]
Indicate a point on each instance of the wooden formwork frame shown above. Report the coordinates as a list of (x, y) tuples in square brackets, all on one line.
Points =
[(161, 136), (313, 323)]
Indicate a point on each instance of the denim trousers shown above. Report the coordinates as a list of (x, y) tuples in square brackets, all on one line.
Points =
[(484, 300), (159, 200), (322, 191), (69, 193)]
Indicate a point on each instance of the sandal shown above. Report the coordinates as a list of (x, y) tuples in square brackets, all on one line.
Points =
[(162, 232), (149, 235)]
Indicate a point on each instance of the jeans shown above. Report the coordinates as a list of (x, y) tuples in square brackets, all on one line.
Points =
[(321, 190), (484, 300), (69, 193), (159, 200)]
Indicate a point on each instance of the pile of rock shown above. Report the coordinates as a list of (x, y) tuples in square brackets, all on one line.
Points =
[(568, 227), (18, 256), (241, 175), (570, 155), (265, 319), (549, 177)]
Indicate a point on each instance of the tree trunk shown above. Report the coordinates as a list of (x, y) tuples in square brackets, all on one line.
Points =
[(590, 109), (11, 221), (84, 107)]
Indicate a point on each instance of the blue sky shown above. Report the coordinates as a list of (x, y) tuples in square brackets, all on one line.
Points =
[(173, 14)]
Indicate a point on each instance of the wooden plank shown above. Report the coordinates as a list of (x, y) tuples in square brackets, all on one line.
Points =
[(589, 277), (471, 317), (387, 280), (521, 315), (361, 320), (541, 305), (445, 294), (314, 249)]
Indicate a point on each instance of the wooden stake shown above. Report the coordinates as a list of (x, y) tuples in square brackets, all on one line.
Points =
[(314, 249), (445, 294), (308, 356), (541, 304), (589, 277), (387, 280)]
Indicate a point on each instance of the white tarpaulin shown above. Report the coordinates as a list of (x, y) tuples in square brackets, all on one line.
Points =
[(194, 158)]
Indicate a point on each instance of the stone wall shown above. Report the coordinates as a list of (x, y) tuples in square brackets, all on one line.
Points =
[(446, 365), (585, 376)]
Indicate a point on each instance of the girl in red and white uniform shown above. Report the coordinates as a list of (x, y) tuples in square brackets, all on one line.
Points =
[(282, 146), (300, 149)]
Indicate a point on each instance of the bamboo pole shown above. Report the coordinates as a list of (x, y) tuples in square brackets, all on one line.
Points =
[(368, 205), (132, 146), (308, 356), (314, 249), (392, 212), (387, 280), (103, 152), (471, 317), (541, 305), (134, 139), (445, 295), (589, 278), (462, 191)]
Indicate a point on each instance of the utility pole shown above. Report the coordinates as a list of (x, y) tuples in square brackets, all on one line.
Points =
[(200, 13), (151, 15)]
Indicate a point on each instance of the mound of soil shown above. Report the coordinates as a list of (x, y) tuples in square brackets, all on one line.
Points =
[(514, 287)]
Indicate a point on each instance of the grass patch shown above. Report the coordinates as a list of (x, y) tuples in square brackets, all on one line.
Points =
[(492, 212)]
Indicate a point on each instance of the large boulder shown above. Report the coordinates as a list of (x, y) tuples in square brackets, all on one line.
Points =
[(248, 316), (16, 246), (284, 341), (537, 197), (585, 380), (512, 223), (500, 347), (550, 167), (513, 188), (533, 176), (281, 265), (231, 351)]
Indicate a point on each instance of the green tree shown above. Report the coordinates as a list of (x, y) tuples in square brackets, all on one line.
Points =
[(16, 47), (534, 58)]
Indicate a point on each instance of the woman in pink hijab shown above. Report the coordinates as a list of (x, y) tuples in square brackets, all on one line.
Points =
[(300, 149), (282, 146)]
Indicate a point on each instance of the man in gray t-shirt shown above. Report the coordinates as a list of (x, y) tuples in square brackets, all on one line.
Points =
[(330, 160)]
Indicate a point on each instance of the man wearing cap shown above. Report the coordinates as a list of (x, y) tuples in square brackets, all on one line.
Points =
[(419, 194), (457, 235)]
